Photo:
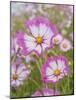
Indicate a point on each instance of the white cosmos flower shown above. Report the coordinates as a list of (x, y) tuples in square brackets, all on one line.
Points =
[(18, 75), (39, 39), (55, 69)]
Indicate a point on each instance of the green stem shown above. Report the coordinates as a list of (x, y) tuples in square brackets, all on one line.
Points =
[(55, 88), (35, 82), (68, 83), (53, 52), (38, 66)]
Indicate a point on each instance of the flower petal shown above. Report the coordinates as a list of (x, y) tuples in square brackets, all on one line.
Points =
[(53, 65), (38, 49), (30, 45), (34, 30), (60, 66), (49, 71), (48, 34), (29, 38), (42, 29), (24, 75)]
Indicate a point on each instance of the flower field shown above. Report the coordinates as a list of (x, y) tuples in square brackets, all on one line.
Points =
[(42, 50)]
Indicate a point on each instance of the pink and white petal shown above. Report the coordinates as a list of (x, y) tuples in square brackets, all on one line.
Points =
[(44, 46), (29, 38), (64, 64), (42, 29), (13, 70), (34, 30), (49, 71), (36, 94), (38, 49), (24, 75), (66, 71), (54, 79), (60, 66), (48, 92), (61, 76), (51, 77), (53, 65), (13, 83), (18, 83), (48, 34), (30, 46), (47, 43)]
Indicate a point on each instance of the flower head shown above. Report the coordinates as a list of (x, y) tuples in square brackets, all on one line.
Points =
[(39, 39), (46, 92), (55, 69), (57, 39), (18, 74), (65, 45)]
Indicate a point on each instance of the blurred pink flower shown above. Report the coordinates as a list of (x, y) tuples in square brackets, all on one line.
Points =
[(14, 46), (46, 92), (29, 58), (65, 45), (55, 69), (39, 39), (57, 39), (72, 35), (18, 74)]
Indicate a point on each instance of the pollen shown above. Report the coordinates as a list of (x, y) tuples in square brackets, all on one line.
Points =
[(39, 40), (15, 76), (57, 72), (56, 40), (64, 45)]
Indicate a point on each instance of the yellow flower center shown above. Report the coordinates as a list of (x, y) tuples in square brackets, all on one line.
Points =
[(57, 72), (15, 76), (64, 45), (56, 40), (39, 40)]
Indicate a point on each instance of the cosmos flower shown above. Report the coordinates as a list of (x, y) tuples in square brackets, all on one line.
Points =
[(39, 37), (57, 39), (55, 69), (65, 45), (46, 92), (18, 75)]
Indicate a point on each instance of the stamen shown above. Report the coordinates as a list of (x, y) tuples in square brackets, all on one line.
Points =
[(15, 76), (57, 72), (39, 40)]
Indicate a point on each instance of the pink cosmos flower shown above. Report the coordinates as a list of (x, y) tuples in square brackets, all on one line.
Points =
[(55, 69), (57, 39), (46, 92), (65, 45), (39, 38), (18, 75)]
